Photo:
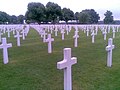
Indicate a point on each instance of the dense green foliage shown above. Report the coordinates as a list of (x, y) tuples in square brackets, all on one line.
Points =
[(108, 18), (32, 68), (53, 13), (4, 18), (7, 19), (13, 19), (88, 16), (67, 14), (35, 12), (77, 15)]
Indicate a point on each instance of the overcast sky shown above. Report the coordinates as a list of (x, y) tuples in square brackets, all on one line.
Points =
[(17, 7)]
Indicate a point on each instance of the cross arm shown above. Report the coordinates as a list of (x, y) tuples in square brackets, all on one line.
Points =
[(61, 64), (110, 47)]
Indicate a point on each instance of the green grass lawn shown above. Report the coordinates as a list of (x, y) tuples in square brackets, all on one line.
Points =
[(30, 67)]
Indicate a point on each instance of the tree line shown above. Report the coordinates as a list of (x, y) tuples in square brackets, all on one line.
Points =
[(7, 19), (53, 13)]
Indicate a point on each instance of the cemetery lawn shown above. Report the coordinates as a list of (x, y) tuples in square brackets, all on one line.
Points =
[(30, 67)]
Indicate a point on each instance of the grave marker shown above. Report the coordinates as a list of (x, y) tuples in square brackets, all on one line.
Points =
[(66, 64), (76, 36), (18, 38), (23, 34), (44, 36), (63, 34), (56, 30), (49, 40), (4, 46), (104, 34), (93, 36), (114, 32), (109, 50), (87, 31), (8, 32)]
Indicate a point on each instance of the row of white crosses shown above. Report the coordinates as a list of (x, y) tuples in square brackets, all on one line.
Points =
[(4, 46), (67, 63), (14, 28), (92, 29), (51, 28)]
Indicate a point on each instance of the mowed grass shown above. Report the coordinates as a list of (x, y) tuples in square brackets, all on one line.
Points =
[(30, 67)]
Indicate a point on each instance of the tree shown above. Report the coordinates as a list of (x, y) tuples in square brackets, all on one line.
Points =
[(53, 12), (4, 17), (67, 14), (13, 19), (77, 15), (84, 18), (20, 19), (91, 15), (108, 17), (35, 12)]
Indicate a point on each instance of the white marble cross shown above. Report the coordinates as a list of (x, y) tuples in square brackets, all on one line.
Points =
[(114, 32), (104, 34), (109, 50), (4, 29), (51, 30), (117, 28), (4, 46), (66, 64), (8, 30), (18, 38), (96, 30), (67, 30), (87, 31), (44, 36), (56, 30), (93, 36), (63, 34), (49, 40), (76, 36), (23, 34)]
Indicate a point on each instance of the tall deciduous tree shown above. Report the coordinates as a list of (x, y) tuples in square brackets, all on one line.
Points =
[(67, 14), (13, 19), (20, 19), (108, 17), (84, 18), (35, 12), (77, 15), (91, 16), (53, 12), (4, 17)]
